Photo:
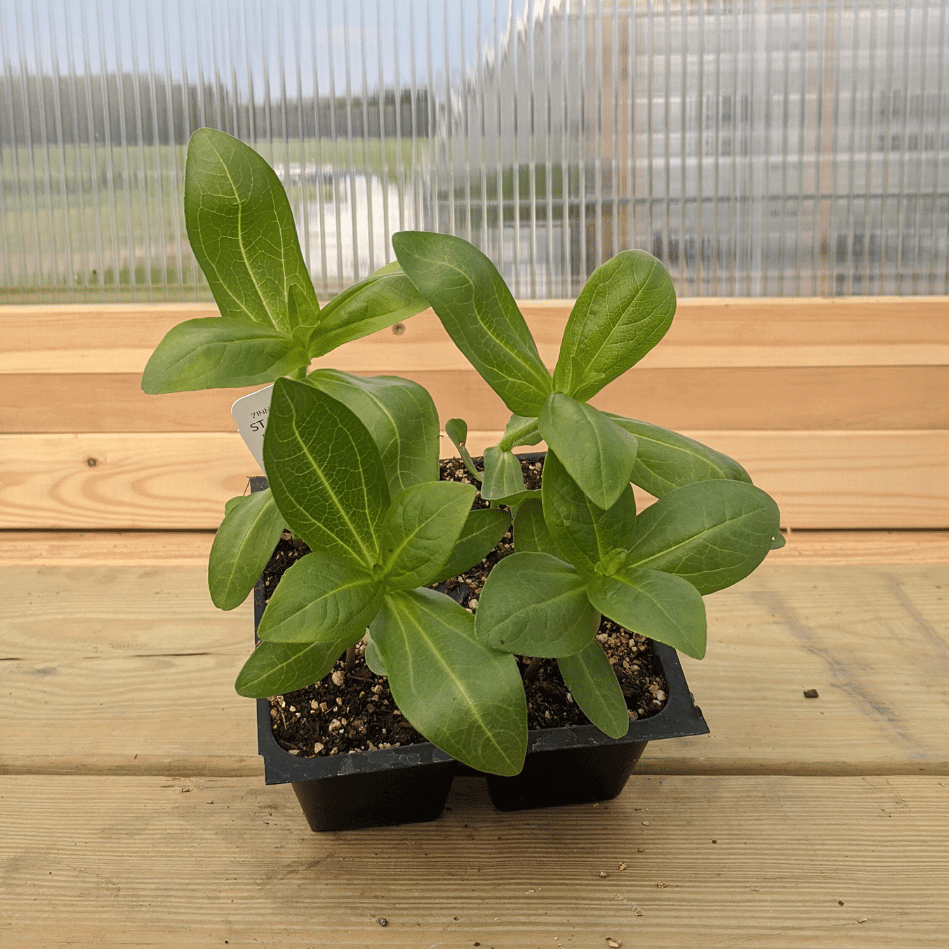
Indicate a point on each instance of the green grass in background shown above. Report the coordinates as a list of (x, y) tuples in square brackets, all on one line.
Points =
[(88, 223)]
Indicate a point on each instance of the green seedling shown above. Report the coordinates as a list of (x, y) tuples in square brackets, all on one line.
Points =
[(242, 232), (352, 465), (378, 542), (581, 549)]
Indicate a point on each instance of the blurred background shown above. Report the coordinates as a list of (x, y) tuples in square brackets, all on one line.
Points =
[(791, 148)]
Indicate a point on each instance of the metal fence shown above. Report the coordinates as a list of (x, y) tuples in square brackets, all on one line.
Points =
[(758, 148)]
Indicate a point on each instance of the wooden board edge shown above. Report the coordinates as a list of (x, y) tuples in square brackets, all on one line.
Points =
[(191, 548), (651, 764), (792, 332), (825, 479), (145, 765), (39, 548)]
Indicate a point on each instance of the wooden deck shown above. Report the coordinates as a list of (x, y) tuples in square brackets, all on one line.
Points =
[(134, 811), (132, 805)]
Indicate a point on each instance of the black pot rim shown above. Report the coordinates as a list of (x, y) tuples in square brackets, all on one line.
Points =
[(679, 718)]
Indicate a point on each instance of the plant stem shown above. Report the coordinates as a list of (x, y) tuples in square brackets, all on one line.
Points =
[(513, 438), (350, 658), (469, 464), (299, 373), (533, 667)]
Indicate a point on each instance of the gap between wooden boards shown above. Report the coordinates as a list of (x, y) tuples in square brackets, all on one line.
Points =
[(252, 766), (191, 548)]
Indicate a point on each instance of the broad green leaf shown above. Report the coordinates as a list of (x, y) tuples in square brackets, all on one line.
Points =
[(463, 696), (303, 312), (481, 533), (530, 529), (658, 605), (373, 657), (623, 310), (277, 668), (457, 430), (592, 682), (321, 598), (778, 541), (478, 312), (382, 299), (533, 604), (666, 460), (218, 352), (711, 533), (595, 451), (584, 533), (325, 472), (242, 547), (513, 501), (502, 474), (400, 416), (242, 233), (420, 531)]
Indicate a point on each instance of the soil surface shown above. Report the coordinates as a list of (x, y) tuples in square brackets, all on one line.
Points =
[(353, 710)]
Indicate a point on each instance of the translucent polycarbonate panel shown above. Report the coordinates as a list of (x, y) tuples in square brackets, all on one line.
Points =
[(758, 148)]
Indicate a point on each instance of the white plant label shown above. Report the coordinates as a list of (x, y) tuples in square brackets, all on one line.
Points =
[(250, 412)]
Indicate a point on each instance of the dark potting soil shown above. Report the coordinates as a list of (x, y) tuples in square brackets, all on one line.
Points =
[(354, 711)]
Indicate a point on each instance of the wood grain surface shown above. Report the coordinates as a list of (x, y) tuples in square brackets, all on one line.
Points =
[(132, 805), (810, 364), (868, 331), (133, 809), (30, 548), (708, 397), (190, 548), (835, 406), (154, 481), (769, 862), (139, 662)]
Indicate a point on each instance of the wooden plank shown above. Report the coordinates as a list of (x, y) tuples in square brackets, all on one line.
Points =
[(775, 863), (106, 402), (136, 659), (783, 332), (703, 334), (191, 548), (821, 480), (139, 663), (863, 547), (848, 480), (104, 548), (88, 337), (709, 398), (120, 482), (753, 332), (873, 641)]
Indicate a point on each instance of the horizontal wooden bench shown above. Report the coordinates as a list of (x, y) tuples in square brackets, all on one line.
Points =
[(836, 407), (132, 803)]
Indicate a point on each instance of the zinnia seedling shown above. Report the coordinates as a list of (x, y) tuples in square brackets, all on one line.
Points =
[(352, 465)]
